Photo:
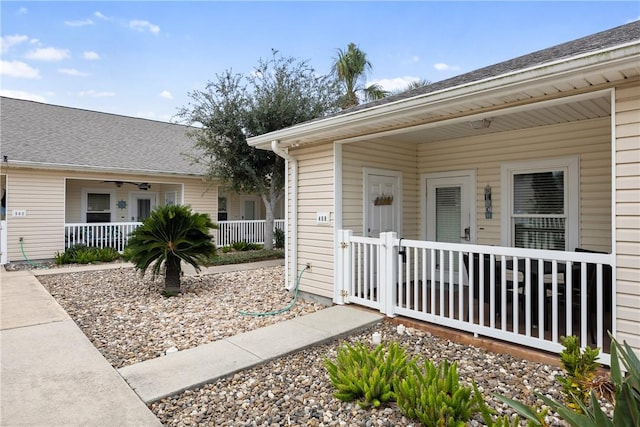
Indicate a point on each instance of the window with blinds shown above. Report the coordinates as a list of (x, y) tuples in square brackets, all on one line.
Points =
[(539, 216)]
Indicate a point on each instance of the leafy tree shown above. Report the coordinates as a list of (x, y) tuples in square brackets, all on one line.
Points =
[(350, 68), (280, 92), (171, 234)]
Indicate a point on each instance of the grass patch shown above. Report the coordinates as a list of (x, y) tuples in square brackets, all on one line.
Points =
[(247, 256)]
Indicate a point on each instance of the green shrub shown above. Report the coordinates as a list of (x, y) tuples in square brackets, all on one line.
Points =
[(365, 375), (580, 368), (87, 256), (279, 238), (82, 254), (248, 256), (62, 258), (73, 250), (245, 246), (626, 398), (107, 254), (433, 395)]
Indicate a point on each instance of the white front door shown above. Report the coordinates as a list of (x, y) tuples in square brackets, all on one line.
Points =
[(383, 202), (141, 206), (450, 205)]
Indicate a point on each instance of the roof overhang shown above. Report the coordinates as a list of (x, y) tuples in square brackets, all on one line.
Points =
[(569, 76), (97, 169)]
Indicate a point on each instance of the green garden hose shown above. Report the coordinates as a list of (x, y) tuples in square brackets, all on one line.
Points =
[(26, 258), (282, 310)]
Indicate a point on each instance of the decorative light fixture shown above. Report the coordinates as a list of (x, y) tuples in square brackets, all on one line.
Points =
[(480, 124)]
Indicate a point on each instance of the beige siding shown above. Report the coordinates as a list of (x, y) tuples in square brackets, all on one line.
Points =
[(52, 198), (380, 154), (41, 195), (201, 198), (315, 242), (589, 140), (628, 214)]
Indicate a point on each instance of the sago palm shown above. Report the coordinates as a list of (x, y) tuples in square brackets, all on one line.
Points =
[(172, 234), (350, 68)]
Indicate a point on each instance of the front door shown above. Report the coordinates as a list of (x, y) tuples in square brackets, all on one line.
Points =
[(382, 202), (141, 206), (449, 206)]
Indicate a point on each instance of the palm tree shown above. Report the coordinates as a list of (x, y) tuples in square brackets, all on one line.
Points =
[(414, 84), (350, 69), (171, 234)]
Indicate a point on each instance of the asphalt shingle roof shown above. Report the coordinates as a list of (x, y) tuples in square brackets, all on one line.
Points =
[(55, 135)]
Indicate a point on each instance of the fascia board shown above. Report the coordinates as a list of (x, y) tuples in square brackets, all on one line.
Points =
[(77, 168), (599, 60)]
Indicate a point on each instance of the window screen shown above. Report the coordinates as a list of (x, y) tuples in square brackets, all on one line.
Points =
[(97, 202), (539, 210)]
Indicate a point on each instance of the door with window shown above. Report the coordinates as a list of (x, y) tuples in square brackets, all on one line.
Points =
[(142, 204), (450, 215)]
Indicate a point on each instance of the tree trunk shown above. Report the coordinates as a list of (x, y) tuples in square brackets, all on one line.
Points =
[(172, 276), (268, 223)]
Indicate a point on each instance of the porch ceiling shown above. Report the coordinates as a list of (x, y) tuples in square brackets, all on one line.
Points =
[(535, 115)]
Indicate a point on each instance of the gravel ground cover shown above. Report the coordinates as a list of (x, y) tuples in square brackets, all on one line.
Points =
[(128, 320)]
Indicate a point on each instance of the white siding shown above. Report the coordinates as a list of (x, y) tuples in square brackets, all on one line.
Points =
[(628, 214)]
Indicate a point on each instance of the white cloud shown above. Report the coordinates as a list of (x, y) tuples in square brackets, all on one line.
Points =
[(18, 69), (72, 72), (78, 23), (22, 95), (90, 55), (398, 83), (96, 94), (440, 66), (22, 11), (165, 94), (140, 25), (48, 54), (415, 58), (7, 42), (100, 15)]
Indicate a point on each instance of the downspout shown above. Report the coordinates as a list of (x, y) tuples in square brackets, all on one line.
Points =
[(291, 261)]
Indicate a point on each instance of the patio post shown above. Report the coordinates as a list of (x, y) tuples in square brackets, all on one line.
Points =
[(387, 272)]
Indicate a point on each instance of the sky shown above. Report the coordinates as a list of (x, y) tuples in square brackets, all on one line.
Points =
[(144, 58)]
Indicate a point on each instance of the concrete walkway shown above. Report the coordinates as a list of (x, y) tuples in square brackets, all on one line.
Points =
[(52, 375)]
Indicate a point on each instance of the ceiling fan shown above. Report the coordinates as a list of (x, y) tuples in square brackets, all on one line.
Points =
[(141, 185)]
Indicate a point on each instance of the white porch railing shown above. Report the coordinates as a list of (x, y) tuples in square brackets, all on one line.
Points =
[(250, 231), (101, 234), (528, 297), (116, 234)]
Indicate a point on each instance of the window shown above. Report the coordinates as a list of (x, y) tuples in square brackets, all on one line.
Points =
[(222, 208), (98, 207), (541, 204)]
